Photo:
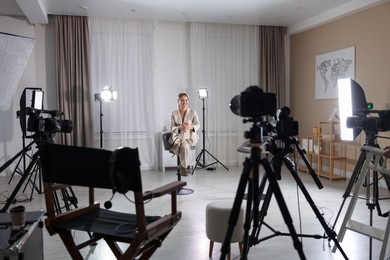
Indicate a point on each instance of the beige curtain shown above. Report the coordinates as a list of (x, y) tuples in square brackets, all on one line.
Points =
[(73, 77), (272, 62)]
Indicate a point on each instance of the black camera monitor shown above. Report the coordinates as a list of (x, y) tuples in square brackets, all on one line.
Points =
[(352, 103)]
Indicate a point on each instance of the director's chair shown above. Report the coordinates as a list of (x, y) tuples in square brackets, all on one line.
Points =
[(118, 171)]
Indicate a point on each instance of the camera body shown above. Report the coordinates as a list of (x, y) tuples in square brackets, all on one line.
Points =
[(254, 102), (45, 128), (285, 125), (380, 122)]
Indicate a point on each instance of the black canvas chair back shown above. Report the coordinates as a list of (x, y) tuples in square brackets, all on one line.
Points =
[(118, 171), (165, 138)]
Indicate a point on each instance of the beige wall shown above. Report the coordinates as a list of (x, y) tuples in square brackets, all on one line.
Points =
[(368, 32)]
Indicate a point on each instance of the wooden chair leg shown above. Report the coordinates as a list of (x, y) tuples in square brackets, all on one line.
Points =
[(70, 245), (211, 248)]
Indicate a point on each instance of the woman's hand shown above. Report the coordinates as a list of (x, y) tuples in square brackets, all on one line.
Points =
[(186, 127)]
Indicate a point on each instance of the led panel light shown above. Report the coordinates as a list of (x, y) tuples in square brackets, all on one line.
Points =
[(203, 93), (352, 101), (345, 108)]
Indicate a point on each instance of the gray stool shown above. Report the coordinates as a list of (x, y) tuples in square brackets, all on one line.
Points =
[(217, 217)]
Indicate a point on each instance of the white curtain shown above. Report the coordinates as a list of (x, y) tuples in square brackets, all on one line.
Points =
[(225, 60), (121, 57)]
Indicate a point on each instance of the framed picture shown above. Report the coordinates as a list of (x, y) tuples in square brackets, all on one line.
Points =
[(330, 67)]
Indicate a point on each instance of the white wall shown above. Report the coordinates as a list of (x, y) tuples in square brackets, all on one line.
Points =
[(171, 70), (10, 131), (170, 64)]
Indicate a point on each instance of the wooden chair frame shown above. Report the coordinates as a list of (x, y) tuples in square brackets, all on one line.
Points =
[(64, 166)]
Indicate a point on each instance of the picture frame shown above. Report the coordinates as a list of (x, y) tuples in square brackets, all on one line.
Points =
[(330, 67)]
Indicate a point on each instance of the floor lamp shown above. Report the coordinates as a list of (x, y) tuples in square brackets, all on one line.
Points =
[(106, 95), (201, 158)]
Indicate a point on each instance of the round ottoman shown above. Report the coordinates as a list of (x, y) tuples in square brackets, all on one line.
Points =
[(217, 218)]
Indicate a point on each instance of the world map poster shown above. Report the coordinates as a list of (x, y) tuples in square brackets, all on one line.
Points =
[(331, 67)]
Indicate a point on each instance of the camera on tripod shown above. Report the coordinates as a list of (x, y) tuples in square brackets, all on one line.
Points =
[(254, 103), (47, 125), (43, 128)]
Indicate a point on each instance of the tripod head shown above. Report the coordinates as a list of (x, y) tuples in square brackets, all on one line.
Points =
[(371, 138)]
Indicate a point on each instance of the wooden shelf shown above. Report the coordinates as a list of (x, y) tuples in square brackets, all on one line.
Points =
[(327, 151)]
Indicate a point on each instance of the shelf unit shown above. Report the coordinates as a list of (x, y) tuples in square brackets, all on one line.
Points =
[(331, 150), (327, 151)]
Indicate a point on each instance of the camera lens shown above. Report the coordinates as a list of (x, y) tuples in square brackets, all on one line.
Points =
[(235, 105)]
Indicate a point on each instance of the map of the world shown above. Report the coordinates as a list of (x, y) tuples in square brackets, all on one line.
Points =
[(330, 68)]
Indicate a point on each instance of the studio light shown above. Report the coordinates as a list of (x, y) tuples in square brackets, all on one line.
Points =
[(352, 101), (203, 93), (106, 95), (345, 108), (201, 159)]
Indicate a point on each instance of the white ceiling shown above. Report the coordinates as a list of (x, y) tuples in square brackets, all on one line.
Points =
[(297, 15)]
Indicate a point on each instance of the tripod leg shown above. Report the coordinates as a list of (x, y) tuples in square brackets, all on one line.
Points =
[(252, 198), (354, 177), (21, 153), (355, 174), (35, 173), (20, 183), (283, 207), (216, 160), (16, 169), (236, 209), (258, 221), (331, 234), (198, 159)]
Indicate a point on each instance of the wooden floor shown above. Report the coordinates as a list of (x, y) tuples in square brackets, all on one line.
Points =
[(188, 240)]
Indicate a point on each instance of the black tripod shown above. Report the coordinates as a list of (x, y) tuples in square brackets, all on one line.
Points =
[(250, 175), (201, 158), (31, 168), (372, 201)]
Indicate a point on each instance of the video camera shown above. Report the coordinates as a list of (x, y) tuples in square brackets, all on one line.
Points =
[(370, 121), (39, 124), (32, 119), (254, 103)]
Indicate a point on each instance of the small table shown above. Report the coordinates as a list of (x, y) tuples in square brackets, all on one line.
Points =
[(26, 243)]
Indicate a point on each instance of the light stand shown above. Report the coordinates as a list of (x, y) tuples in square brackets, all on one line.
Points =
[(106, 95), (203, 94)]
